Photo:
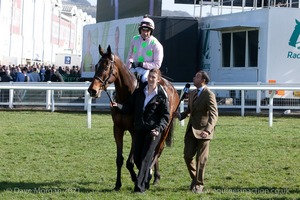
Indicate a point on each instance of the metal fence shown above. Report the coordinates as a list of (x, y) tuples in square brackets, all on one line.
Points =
[(48, 95)]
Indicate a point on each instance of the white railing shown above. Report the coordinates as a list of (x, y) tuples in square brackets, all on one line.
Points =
[(87, 104)]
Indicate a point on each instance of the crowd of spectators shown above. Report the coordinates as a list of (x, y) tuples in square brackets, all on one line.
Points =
[(35, 73), (38, 73)]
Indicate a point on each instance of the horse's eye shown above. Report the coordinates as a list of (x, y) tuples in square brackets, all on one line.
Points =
[(106, 66)]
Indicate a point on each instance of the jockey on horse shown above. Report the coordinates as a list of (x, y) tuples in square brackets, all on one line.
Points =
[(145, 52)]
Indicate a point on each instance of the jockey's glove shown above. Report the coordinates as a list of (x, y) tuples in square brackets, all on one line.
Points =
[(133, 65), (136, 64)]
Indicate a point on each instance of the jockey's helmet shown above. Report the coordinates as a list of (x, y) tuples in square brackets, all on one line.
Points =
[(146, 23)]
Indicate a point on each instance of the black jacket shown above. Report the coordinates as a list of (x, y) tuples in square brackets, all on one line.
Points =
[(156, 114), (56, 77)]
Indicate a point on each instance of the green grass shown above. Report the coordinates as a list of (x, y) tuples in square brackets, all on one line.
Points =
[(47, 155)]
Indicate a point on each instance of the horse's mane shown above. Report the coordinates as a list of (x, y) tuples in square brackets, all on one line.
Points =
[(124, 67), (126, 81)]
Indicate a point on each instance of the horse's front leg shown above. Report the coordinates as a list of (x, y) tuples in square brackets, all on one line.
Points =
[(130, 161), (118, 134)]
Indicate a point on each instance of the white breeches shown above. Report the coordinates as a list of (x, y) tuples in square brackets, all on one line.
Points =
[(142, 72)]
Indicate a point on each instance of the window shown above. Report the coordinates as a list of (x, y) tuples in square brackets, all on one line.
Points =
[(226, 38), (253, 48), (239, 45), (240, 49)]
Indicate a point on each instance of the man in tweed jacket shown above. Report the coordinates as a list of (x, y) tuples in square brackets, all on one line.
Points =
[(203, 115)]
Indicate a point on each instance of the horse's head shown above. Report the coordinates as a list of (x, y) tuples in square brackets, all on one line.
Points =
[(104, 73)]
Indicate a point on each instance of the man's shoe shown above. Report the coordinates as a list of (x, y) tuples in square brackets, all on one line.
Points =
[(198, 189), (147, 184), (137, 190)]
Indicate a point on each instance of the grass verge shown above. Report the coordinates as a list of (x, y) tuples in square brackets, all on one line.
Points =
[(53, 155)]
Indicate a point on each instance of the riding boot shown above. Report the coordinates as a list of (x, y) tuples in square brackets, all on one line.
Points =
[(138, 78)]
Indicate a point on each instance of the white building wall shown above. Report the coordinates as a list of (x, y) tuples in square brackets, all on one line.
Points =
[(38, 31), (5, 27), (282, 67), (278, 60), (213, 62), (47, 56), (35, 30)]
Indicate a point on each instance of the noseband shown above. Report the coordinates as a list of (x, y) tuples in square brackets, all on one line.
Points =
[(106, 82)]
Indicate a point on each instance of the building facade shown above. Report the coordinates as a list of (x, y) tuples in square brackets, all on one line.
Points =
[(34, 31)]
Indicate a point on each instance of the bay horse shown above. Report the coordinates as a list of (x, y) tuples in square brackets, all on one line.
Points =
[(110, 69)]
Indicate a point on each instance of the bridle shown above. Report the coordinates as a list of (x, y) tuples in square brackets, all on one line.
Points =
[(106, 81), (111, 70)]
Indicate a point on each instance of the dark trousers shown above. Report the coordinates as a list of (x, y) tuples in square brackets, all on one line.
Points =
[(144, 147)]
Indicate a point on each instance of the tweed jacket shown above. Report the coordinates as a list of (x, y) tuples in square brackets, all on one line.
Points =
[(203, 113)]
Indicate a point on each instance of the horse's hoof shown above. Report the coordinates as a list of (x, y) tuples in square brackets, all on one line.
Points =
[(117, 187), (156, 182)]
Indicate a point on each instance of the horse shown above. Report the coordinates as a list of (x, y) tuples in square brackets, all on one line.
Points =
[(110, 69)]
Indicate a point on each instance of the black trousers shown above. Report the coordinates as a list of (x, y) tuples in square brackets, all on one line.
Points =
[(144, 147)]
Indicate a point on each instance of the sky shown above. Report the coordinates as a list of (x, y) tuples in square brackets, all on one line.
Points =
[(167, 5), (93, 2)]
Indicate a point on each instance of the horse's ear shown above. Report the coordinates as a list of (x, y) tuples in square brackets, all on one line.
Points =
[(100, 50), (108, 49)]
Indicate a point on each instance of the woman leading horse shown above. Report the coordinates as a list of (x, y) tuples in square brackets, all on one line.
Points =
[(110, 69)]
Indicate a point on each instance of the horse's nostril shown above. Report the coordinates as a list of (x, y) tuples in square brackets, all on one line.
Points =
[(92, 92)]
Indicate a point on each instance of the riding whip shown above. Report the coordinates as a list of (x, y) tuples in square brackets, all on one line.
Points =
[(185, 92)]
